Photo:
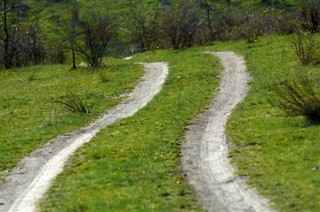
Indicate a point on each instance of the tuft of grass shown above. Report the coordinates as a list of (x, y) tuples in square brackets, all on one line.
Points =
[(133, 165), (28, 116), (103, 77), (75, 103), (279, 154)]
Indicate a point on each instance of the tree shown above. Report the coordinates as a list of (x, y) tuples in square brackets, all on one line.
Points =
[(22, 43), (74, 21), (181, 22), (6, 34), (310, 15), (146, 29), (93, 35)]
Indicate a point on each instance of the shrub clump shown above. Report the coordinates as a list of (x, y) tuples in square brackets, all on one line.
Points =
[(298, 97), (75, 103)]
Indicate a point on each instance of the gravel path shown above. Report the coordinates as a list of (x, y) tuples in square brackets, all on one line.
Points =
[(205, 151), (28, 182)]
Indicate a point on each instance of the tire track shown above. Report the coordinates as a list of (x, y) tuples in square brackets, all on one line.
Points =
[(205, 151), (28, 182)]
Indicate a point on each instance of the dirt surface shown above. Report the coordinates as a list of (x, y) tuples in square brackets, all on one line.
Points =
[(205, 150), (28, 182)]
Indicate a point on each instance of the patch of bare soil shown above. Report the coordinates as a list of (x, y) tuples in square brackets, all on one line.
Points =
[(28, 182), (205, 150)]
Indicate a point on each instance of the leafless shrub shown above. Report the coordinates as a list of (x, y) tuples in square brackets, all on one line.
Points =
[(146, 31), (93, 35), (181, 22), (75, 103), (252, 28), (298, 97), (256, 23), (173, 25), (29, 46), (233, 24), (21, 42), (304, 44), (310, 15)]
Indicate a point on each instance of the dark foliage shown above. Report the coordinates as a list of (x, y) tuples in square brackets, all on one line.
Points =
[(22, 44), (309, 15)]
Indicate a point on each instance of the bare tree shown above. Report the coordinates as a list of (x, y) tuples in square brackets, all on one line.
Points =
[(146, 29), (94, 34), (6, 35), (74, 21), (310, 15), (181, 23), (22, 43)]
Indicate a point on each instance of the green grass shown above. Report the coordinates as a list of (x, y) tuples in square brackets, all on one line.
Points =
[(28, 115), (133, 165), (279, 154)]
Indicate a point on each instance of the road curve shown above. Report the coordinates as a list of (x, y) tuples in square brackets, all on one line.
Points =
[(205, 151), (29, 181)]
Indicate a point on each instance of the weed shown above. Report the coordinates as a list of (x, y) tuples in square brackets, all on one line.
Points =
[(75, 103)]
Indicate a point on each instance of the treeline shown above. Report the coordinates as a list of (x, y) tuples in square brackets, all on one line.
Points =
[(174, 24)]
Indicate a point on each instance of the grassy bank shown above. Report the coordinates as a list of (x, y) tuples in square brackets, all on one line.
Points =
[(134, 164), (279, 154), (29, 117)]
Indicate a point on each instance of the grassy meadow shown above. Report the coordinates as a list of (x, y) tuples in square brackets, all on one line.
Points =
[(30, 117), (133, 165)]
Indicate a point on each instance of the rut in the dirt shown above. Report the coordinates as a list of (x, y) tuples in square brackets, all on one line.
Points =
[(205, 151), (28, 182)]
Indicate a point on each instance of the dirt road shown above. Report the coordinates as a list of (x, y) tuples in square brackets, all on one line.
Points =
[(28, 182), (205, 151)]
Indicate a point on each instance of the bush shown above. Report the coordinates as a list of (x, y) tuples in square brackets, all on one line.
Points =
[(309, 15), (304, 44), (90, 36), (254, 25), (146, 31), (181, 23), (298, 97), (75, 103)]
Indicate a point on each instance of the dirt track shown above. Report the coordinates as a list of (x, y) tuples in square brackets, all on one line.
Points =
[(28, 182), (205, 151)]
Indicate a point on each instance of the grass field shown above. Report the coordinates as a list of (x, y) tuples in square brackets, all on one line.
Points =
[(29, 117), (134, 164), (279, 154)]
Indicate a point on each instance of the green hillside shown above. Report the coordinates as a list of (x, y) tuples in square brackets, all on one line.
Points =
[(134, 165)]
